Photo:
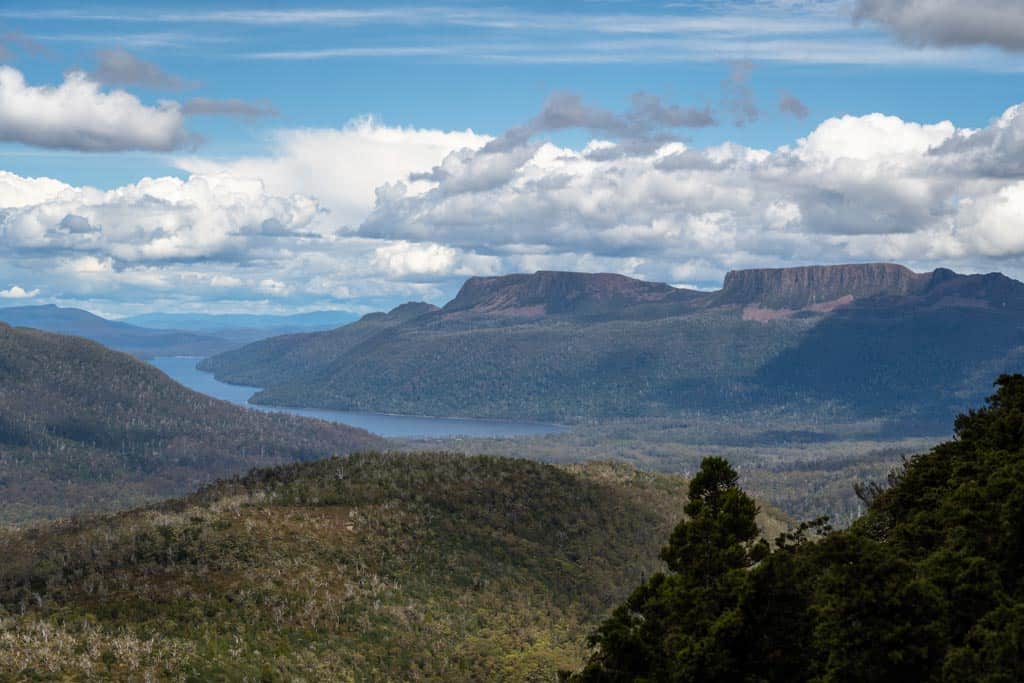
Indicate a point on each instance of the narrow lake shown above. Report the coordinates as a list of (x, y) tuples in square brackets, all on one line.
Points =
[(183, 370)]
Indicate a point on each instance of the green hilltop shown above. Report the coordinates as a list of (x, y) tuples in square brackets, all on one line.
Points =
[(369, 567)]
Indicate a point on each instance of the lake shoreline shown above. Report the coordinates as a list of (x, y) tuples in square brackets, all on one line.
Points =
[(183, 370)]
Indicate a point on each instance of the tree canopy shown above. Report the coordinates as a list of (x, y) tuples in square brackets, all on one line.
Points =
[(926, 586)]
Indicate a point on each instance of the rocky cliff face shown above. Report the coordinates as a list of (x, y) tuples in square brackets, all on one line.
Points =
[(819, 288), (796, 288), (553, 292), (399, 314)]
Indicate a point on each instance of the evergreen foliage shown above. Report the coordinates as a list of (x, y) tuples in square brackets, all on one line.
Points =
[(927, 586)]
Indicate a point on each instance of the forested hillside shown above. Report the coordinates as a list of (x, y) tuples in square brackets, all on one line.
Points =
[(870, 340), (366, 568), (84, 428), (927, 586)]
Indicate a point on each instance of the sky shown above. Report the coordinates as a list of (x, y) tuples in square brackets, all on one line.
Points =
[(272, 158)]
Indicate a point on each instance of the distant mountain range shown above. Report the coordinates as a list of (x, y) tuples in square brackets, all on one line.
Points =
[(868, 339), (139, 341), (86, 428), (244, 326), (169, 334)]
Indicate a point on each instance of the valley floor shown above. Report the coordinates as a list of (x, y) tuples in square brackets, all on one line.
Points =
[(806, 469)]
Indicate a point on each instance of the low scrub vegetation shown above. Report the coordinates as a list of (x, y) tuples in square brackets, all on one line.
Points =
[(370, 567)]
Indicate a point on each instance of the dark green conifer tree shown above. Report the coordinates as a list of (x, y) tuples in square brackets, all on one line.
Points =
[(927, 586), (674, 625)]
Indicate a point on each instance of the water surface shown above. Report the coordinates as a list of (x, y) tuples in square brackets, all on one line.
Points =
[(183, 370)]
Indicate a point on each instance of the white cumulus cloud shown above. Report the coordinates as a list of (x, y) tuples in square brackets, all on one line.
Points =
[(342, 167), (369, 215), (155, 219), (79, 115), (402, 259), (855, 188), (16, 292)]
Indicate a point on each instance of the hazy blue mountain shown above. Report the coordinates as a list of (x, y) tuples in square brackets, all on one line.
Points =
[(139, 341), (238, 322)]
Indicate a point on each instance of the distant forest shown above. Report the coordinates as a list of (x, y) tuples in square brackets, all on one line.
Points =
[(869, 341)]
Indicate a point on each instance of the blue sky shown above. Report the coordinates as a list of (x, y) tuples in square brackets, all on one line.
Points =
[(391, 89)]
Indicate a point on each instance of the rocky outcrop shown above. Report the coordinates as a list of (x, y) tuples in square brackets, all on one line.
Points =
[(798, 288), (400, 314), (767, 293), (551, 292)]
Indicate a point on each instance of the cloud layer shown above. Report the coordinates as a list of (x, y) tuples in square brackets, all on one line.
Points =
[(236, 235), (120, 67), (790, 104), (154, 220), (78, 115), (856, 188), (342, 167), (205, 106), (16, 292), (947, 23), (369, 215), (647, 116)]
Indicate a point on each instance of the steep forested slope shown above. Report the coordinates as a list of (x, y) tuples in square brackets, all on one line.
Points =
[(295, 355), (83, 427), (371, 567), (871, 339), (913, 353), (549, 370)]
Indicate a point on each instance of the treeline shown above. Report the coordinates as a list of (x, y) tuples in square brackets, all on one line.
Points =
[(926, 586)]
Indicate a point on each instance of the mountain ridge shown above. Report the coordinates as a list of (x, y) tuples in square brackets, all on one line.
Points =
[(802, 286), (555, 346), (170, 334), (794, 288), (555, 292), (139, 341)]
